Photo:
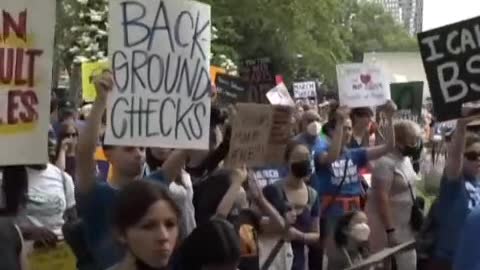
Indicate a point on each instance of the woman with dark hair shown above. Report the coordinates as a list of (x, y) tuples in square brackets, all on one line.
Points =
[(351, 241), (66, 147), (223, 250), (181, 188), (294, 191), (146, 222)]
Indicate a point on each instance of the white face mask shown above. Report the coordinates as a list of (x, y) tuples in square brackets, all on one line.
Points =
[(360, 232), (314, 128)]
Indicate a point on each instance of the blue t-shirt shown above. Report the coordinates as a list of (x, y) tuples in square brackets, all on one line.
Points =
[(457, 198), (328, 177), (95, 209), (268, 175), (466, 257), (308, 140)]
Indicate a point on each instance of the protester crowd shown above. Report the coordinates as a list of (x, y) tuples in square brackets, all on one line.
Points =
[(346, 190)]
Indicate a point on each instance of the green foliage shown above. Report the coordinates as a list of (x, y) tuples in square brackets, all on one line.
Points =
[(323, 32)]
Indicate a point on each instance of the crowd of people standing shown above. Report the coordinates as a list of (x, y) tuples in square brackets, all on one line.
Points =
[(346, 190)]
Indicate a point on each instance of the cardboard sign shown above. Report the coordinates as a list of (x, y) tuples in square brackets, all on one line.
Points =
[(159, 52), (230, 89), (279, 96), (260, 76), (362, 85), (26, 53), (408, 97), (89, 71), (451, 60), (305, 93), (259, 135), (59, 258)]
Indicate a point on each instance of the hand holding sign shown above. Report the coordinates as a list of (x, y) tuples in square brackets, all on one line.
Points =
[(239, 175), (390, 108), (103, 85), (342, 113), (281, 125)]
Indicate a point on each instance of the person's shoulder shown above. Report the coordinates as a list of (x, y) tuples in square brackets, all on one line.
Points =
[(386, 160), (52, 172), (474, 217)]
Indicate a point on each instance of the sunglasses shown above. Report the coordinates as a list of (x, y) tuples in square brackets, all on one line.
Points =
[(472, 156)]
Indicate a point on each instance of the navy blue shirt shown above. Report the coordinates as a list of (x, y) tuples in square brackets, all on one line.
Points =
[(95, 210), (467, 256)]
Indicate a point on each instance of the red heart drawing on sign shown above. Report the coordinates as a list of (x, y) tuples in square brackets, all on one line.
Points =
[(365, 78)]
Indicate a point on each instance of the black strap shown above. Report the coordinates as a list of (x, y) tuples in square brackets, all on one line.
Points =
[(339, 188), (411, 193), (273, 254)]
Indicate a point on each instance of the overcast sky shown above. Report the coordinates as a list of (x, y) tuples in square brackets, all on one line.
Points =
[(441, 12)]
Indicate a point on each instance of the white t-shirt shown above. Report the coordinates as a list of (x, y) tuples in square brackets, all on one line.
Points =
[(183, 196), (49, 195)]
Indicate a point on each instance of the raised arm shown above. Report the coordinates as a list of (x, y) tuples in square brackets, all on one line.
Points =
[(454, 162), (377, 152), (238, 178), (87, 141), (174, 164), (335, 148)]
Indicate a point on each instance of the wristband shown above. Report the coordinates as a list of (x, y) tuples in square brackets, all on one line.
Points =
[(389, 231)]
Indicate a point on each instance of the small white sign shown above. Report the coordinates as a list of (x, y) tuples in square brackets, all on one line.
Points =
[(305, 92), (362, 85), (279, 96)]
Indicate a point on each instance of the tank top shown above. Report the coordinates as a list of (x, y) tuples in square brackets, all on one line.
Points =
[(10, 245)]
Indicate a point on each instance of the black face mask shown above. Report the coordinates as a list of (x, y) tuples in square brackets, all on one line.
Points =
[(408, 151), (301, 169)]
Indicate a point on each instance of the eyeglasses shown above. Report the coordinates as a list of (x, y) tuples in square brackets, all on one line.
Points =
[(472, 156)]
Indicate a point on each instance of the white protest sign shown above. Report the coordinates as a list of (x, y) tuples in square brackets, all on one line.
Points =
[(26, 53), (279, 96), (362, 85), (305, 92), (159, 52)]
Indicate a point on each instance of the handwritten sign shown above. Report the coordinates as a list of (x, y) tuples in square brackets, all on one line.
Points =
[(26, 53), (451, 58), (279, 96), (362, 85), (409, 98), (230, 89), (159, 51), (305, 93), (89, 71), (59, 258), (259, 73), (259, 135)]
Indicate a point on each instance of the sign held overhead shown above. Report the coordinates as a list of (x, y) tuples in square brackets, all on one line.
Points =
[(451, 58), (159, 51)]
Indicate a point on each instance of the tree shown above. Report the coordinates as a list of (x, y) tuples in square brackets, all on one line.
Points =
[(367, 27)]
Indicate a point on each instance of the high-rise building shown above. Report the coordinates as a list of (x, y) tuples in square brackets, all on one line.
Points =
[(409, 13)]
